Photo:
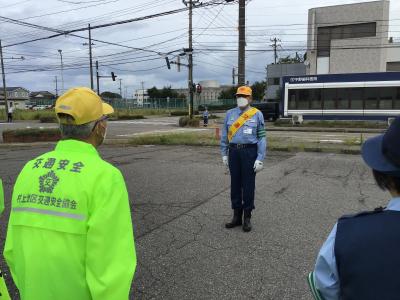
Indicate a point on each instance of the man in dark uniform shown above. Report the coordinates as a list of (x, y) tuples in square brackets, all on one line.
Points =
[(243, 148), (360, 259)]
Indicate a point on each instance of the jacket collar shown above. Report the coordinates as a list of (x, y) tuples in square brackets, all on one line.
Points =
[(76, 146)]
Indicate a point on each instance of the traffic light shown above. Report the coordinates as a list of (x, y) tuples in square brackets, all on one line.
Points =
[(198, 88), (113, 76), (168, 63)]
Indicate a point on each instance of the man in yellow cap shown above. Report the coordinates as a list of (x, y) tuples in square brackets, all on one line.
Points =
[(70, 231), (243, 148)]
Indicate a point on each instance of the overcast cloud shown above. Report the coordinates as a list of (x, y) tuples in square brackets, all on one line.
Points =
[(214, 27)]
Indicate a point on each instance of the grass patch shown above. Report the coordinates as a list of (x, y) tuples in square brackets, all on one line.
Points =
[(187, 139), (335, 124)]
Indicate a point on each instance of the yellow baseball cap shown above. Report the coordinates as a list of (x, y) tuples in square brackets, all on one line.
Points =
[(244, 90), (83, 105)]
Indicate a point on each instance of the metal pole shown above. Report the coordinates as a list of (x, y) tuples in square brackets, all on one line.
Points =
[(242, 43), (4, 81), (56, 86), (191, 96), (90, 57), (97, 78), (62, 71)]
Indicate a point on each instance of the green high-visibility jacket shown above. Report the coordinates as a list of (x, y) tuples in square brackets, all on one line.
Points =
[(70, 231)]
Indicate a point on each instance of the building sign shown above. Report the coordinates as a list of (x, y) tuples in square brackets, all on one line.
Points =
[(303, 79)]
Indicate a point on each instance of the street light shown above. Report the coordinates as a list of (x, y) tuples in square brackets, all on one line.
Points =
[(62, 71)]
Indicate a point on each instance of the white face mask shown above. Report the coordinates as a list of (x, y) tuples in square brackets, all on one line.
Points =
[(242, 102)]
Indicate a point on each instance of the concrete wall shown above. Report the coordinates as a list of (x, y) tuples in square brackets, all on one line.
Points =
[(350, 60), (278, 71)]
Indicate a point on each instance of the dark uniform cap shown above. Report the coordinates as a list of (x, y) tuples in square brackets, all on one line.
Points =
[(382, 153)]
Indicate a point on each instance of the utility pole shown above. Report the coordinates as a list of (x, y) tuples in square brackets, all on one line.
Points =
[(190, 3), (62, 71), (233, 76), (242, 43), (4, 79), (97, 78), (120, 86), (56, 81), (90, 57), (275, 47)]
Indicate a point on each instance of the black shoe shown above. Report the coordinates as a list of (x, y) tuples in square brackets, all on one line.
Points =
[(246, 222), (236, 220)]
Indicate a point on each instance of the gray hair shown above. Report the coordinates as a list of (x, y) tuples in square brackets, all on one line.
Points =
[(71, 131)]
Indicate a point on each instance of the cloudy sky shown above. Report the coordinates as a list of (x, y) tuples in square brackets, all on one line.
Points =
[(215, 28)]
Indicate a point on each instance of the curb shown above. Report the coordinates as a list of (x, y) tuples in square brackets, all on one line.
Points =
[(126, 142)]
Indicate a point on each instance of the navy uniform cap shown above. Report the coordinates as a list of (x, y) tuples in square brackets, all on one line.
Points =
[(382, 153)]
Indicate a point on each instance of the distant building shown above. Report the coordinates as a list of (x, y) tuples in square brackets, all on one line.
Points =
[(351, 38), (141, 98), (211, 89), (275, 72), (42, 98), (17, 97)]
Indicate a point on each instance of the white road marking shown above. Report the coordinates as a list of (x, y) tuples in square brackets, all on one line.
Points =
[(144, 123), (155, 132)]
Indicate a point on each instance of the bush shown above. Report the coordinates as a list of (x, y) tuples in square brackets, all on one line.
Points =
[(179, 113), (48, 119), (193, 123), (31, 135), (130, 117), (183, 121)]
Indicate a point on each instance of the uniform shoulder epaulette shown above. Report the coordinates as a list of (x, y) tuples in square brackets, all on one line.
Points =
[(364, 213)]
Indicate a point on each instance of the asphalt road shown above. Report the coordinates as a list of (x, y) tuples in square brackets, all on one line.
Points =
[(180, 201)]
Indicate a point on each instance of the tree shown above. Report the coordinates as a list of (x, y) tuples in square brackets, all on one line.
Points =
[(259, 88), (110, 95), (164, 93), (229, 93), (292, 60)]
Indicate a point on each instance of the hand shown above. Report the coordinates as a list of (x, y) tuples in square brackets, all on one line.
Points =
[(225, 161), (258, 166)]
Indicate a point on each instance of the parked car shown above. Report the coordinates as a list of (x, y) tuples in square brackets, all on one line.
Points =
[(270, 110)]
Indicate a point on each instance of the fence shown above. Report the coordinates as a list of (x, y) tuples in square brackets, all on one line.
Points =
[(154, 103)]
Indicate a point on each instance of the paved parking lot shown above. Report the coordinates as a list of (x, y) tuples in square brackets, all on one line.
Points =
[(180, 201)]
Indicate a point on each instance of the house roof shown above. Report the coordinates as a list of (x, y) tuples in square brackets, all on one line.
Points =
[(12, 88), (41, 94)]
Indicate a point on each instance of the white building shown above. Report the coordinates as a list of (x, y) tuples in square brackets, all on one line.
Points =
[(17, 97), (351, 38), (141, 98)]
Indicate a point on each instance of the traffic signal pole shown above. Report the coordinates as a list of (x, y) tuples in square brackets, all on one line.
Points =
[(4, 80)]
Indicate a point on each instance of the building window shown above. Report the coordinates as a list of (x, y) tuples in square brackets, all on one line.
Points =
[(315, 99), (303, 101), (292, 99), (326, 34), (371, 98), (396, 104), (387, 97), (329, 96), (342, 98), (356, 98)]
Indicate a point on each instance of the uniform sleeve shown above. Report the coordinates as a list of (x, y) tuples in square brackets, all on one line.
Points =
[(111, 256), (326, 275), (261, 138), (224, 137)]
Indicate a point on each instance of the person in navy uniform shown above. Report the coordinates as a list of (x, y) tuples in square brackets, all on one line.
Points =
[(243, 153), (205, 117), (360, 259)]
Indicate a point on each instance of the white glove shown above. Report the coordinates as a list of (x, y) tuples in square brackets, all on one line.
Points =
[(258, 166), (225, 161)]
